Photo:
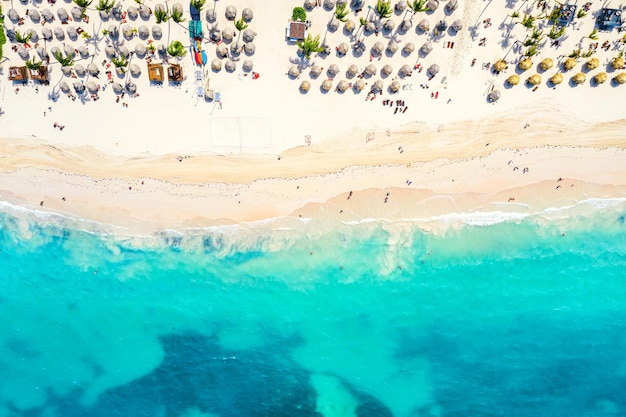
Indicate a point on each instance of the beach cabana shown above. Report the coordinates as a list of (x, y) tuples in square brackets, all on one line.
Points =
[(248, 65), (513, 79), (80, 70), (247, 14), (305, 86), (426, 48), (405, 71), (370, 70), (377, 87), (18, 74), (135, 71), (433, 70), (569, 64), (294, 71), (377, 48), (593, 63), (534, 80), (157, 33), (493, 96), (342, 49), (423, 25), (327, 85), (525, 64), (216, 65), (546, 64), (175, 73), (230, 66), (249, 48), (296, 31), (140, 50), (579, 78), (59, 33), (600, 78), (342, 86), (392, 47), (316, 70), (394, 87), (333, 70), (46, 33), (62, 14), (408, 48), (93, 69), (386, 70), (144, 12), (359, 85), (609, 19), (155, 73), (83, 51), (230, 13), (92, 87)]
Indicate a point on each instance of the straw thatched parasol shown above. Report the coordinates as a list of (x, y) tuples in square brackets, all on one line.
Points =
[(513, 79), (386, 70), (211, 16), (342, 49), (569, 64), (228, 33), (392, 48), (342, 86), (500, 65), (248, 35), (327, 85), (93, 69), (423, 25), (79, 87), (236, 48), (117, 88), (305, 86), (143, 32), (144, 12), (525, 64), (80, 70), (370, 70), (248, 65), (359, 47), (617, 63), (405, 70), (69, 50), (329, 4), (131, 87), (451, 5), (64, 87), (433, 70), (620, 78), (493, 96), (457, 25), (46, 33), (358, 86), (34, 15), (377, 87), (47, 15), (377, 48), (114, 32), (71, 33), (67, 71), (157, 33), (310, 4), (352, 71), (59, 33), (55, 50), (408, 48), (593, 63), (216, 65), (333, 70), (230, 65), (231, 12), (249, 48), (546, 64), (400, 6), (349, 26), (370, 27), (117, 11), (62, 14), (406, 25), (34, 37), (294, 71), (556, 79), (43, 54), (394, 87), (23, 53), (579, 78), (123, 51), (135, 71), (83, 51), (432, 5), (600, 78), (534, 79), (389, 25), (316, 70), (92, 87), (333, 24), (77, 13), (127, 30), (221, 50), (109, 50), (426, 48), (247, 14), (132, 12)]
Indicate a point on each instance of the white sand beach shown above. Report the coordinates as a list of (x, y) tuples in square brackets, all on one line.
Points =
[(440, 144)]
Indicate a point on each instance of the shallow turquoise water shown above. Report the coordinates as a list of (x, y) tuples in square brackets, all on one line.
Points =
[(517, 318)]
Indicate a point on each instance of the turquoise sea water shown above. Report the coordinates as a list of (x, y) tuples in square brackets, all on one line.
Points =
[(523, 317)]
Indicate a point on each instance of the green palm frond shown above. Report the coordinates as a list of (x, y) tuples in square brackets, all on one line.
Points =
[(160, 15), (83, 4), (65, 61), (105, 5), (19, 38), (383, 8), (341, 12), (198, 4), (177, 15), (593, 35), (531, 51), (240, 24), (119, 62), (556, 33), (528, 21), (176, 49), (581, 13), (31, 64), (575, 53), (418, 6), (310, 45)]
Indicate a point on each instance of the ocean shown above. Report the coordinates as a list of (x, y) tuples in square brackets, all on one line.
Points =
[(482, 315)]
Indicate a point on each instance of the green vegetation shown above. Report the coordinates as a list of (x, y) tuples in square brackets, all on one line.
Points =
[(418, 6), (65, 61), (19, 38), (240, 24), (105, 5), (581, 13), (83, 4), (119, 62), (176, 49), (384, 9), (362, 21), (531, 51), (593, 35), (514, 15), (177, 15), (33, 65), (556, 33), (528, 21), (198, 4), (575, 53), (298, 14), (341, 12), (160, 15), (310, 45), (3, 38)]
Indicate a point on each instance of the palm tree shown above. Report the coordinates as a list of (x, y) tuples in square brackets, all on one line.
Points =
[(105, 5), (310, 45), (176, 49), (593, 35), (384, 9), (581, 14), (198, 4), (19, 38), (83, 4), (119, 62), (160, 15), (417, 6), (617, 63), (556, 33), (65, 61), (240, 24), (528, 21), (341, 12), (531, 51), (177, 15), (33, 65)]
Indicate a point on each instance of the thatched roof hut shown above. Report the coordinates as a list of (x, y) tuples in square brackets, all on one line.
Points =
[(343, 48), (333, 70), (316, 70), (406, 70), (327, 85), (406, 25), (155, 73), (46, 33), (230, 65), (426, 48), (377, 48), (294, 71), (249, 48), (64, 86), (247, 65), (389, 25), (352, 71), (423, 25), (457, 25), (408, 48)]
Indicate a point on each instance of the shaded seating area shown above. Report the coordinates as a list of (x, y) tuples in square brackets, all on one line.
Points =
[(296, 31), (40, 74), (609, 19), (18, 74), (566, 14), (175, 73), (155, 73)]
